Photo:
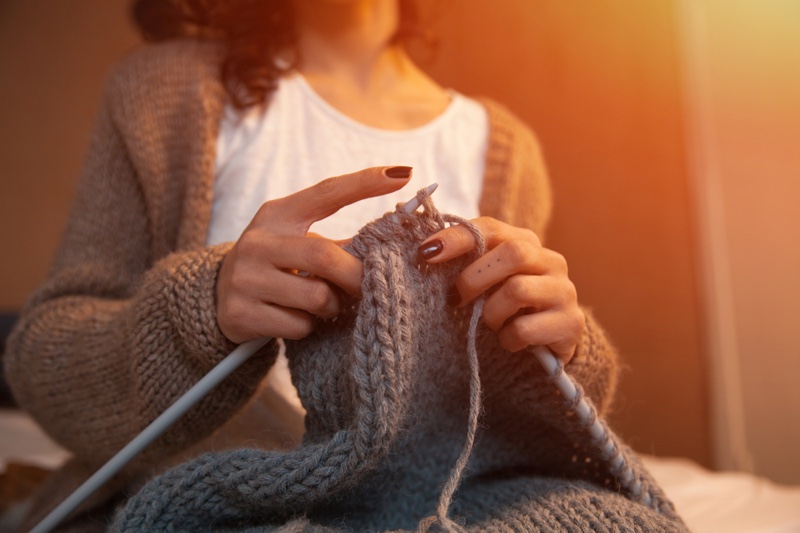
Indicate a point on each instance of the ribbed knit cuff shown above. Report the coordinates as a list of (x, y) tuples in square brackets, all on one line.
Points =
[(595, 364), (191, 303)]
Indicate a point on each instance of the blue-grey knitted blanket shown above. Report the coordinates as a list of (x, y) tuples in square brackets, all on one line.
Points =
[(389, 391)]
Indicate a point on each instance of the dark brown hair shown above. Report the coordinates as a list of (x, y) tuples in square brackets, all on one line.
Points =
[(254, 32)]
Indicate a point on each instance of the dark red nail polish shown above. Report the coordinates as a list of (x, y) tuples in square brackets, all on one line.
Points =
[(453, 297), (431, 249), (397, 172)]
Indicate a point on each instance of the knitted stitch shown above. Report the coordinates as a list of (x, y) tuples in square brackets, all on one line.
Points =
[(387, 393)]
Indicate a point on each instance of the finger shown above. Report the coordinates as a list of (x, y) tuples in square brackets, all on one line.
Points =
[(536, 293), (322, 257), (339, 242), (269, 320), (558, 331), (507, 259), (295, 213), (458, 240), (310, 294), (243, 315)]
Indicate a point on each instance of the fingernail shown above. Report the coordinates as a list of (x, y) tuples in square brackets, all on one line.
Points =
[(453, 297), (431, 249), (397, 172)]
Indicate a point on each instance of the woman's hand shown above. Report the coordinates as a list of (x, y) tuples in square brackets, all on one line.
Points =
[(530, 298), (259, 291)]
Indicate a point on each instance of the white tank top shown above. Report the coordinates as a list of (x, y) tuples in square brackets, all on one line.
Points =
[(301, 139)]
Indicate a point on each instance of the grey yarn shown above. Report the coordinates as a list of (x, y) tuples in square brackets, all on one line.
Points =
[(393, 394)]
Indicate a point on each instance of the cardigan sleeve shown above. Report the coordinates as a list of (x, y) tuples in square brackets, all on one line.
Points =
[(118, 332), (517, 190)]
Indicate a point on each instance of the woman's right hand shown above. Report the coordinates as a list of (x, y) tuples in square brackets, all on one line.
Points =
[(259, 291)]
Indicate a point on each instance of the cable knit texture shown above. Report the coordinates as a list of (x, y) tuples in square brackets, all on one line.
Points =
[(125, 321), (387, 392)]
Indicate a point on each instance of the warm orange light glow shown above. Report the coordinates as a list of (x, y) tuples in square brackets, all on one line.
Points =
[(743, 69)]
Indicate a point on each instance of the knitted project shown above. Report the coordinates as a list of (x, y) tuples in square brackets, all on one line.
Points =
[(393, 394)]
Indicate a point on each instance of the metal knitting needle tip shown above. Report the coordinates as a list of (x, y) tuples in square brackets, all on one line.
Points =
[(413, 204)]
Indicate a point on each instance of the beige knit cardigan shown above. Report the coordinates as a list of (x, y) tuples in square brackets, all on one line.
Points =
[(125, 321)]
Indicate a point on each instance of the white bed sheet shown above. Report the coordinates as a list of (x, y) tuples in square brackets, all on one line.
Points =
[(22, 441), (709, 502), (726, 502)]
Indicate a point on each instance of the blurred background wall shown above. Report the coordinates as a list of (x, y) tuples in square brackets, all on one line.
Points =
[(600, 84), (742, 89), (670, 128)]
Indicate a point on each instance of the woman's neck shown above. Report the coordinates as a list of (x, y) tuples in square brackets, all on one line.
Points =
[(347, 55)]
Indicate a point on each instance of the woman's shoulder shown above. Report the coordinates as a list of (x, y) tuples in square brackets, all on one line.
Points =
[(506, 129), (152, 72), (169, 58), (502, 118), (516, 187)]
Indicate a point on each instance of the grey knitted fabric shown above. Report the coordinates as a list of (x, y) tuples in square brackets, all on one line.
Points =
[(387, 391)]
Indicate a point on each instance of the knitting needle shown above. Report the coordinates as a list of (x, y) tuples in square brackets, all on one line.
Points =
[(171, 415), (413, 204), (597, 429)]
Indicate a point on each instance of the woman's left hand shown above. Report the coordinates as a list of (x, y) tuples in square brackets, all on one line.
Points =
[(530, 298)]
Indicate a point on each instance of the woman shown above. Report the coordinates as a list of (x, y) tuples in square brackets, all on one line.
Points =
[(192, 216)]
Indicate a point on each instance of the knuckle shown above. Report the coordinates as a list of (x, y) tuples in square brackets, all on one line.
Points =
[(520, 332), (270, 206), (466, 286), (578, 321), (518, 289), (492, 315), (564, 292), (530, 235), (328, 187), (268, 210), (559, 261), (515, 251), (322, 254), (490, 225), (572, 294), (250, 243), (491, 322), (318, 297)]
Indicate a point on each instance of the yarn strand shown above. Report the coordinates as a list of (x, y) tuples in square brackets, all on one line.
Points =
[(475, 408), (475, 399)]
